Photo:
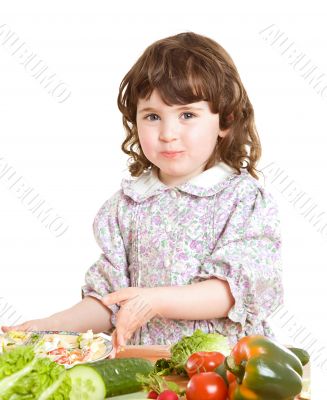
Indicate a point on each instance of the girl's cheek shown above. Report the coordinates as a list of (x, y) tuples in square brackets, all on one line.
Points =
[(145, 145), (147, 142)]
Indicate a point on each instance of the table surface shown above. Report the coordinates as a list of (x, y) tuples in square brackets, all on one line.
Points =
[(154, 352)]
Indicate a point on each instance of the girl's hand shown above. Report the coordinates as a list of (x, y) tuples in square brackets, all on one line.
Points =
[(138, 306), (45, 324)]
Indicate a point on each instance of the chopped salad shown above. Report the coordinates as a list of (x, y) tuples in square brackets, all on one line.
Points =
[(67, 350)]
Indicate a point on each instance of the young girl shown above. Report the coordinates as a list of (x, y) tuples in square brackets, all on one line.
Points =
[(192, 241)]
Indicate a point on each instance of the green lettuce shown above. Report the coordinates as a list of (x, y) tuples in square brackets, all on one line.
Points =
[(24, 376), (199, 341)]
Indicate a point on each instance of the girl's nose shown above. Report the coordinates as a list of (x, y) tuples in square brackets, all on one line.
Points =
[(168, 132)]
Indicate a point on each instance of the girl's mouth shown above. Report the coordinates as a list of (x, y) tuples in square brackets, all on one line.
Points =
[(172, 154)]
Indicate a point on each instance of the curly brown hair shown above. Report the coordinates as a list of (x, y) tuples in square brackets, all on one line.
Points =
[(187, 68)]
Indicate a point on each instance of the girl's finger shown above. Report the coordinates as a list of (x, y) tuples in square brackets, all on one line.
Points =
[(114, 344), (112, 298), (107, 299), (120, 340), (21, 327), (121, 296)]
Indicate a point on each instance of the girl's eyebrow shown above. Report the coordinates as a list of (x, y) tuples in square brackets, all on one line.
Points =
[(145, 109)]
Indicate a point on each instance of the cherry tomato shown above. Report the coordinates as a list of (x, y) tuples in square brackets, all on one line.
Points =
[(167, 395), (152, 395), (206, 386), (59, 351), (63, 360), (203, 361)]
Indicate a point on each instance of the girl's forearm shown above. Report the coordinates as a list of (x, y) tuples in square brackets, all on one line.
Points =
[(89, 313), (202, 300)]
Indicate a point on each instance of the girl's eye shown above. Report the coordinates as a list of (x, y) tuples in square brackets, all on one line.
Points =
[(188, 113), (150, 115), (185, 113)]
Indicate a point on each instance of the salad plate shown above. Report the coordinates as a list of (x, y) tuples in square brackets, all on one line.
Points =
[(63, 347)]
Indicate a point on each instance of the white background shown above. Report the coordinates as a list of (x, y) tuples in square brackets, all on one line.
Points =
[(70, 152)]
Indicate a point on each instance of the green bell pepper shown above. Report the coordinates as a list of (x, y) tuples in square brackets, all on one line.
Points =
[(261, 369)]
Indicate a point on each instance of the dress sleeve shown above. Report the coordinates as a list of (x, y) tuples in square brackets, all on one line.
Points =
[(110, 272), (247, 255)]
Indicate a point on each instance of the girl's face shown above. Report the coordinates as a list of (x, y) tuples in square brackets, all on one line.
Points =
[(190, 130)]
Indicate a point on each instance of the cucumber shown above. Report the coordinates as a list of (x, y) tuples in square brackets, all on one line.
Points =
[(301, 354), (106, 378)]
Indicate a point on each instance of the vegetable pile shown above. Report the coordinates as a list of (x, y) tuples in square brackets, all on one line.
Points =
[(257, 368), (26, 375)]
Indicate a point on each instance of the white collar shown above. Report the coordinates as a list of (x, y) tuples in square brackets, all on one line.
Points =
[(212, 176), (204, 184)]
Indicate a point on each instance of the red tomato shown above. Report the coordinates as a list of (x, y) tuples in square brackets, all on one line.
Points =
[(152, 395), (167, 395), (206, 386), (203, 361)]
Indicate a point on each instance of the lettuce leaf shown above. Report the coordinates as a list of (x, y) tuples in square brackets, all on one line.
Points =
[(26, 376), (14, 360), (199, 341)]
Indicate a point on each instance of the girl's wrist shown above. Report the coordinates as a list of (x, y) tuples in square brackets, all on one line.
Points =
[(159, 298)]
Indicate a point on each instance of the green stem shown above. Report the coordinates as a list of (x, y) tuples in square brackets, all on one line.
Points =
[(236, 369)]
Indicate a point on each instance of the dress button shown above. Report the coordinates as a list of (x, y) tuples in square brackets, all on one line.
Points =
[(173, 193), (167, 262)]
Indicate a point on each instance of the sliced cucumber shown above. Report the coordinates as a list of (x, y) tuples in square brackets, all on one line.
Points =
[(87, 384), (101, 379)]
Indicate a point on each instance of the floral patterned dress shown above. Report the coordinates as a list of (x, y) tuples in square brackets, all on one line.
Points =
[(219, 224)]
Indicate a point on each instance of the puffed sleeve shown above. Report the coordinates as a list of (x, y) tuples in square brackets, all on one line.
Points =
[(247, 255), (110, 272)]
